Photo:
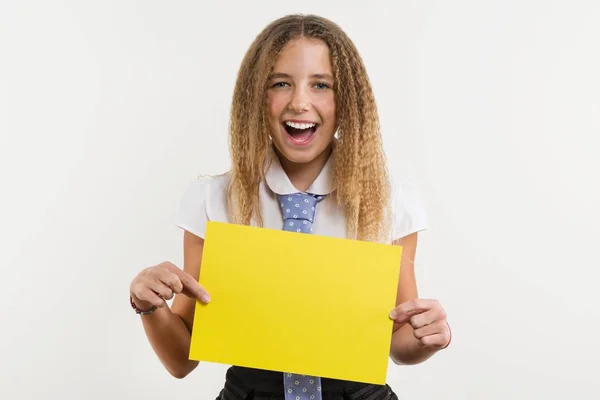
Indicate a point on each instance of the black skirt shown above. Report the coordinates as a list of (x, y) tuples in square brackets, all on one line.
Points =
[(254, 384)]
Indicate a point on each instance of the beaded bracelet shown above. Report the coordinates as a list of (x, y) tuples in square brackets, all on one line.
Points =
[(139, 310)]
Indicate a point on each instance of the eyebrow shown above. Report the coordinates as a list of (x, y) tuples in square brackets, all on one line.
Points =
[(276, 75)]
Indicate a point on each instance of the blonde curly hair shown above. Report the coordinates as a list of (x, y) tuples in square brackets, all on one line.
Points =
[(360, 172)]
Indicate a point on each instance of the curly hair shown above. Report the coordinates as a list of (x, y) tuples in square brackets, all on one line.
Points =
[(360, 173)]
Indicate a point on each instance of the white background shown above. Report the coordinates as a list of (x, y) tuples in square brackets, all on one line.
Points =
[(109, 109)]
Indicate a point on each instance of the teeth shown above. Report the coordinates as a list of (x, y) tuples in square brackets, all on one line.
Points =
[(300, 126)]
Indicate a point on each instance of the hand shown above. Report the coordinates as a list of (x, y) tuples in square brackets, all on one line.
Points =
[(154, 285), (428, 319)]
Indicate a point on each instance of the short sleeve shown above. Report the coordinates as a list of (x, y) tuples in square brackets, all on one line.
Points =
[(409, 211), (192, 214)]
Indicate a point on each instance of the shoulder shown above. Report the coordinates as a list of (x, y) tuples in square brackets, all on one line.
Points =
[(204, 199), (409, 214), (206, 185), (206, 190)]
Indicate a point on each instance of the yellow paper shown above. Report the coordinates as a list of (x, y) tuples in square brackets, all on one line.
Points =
[(296, 302)]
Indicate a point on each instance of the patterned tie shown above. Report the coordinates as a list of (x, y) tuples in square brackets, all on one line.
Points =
[(298, 216)]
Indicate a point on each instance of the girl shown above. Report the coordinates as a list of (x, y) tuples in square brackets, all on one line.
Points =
[(304, 130)]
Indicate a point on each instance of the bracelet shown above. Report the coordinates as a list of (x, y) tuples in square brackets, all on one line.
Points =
[(138, 310)]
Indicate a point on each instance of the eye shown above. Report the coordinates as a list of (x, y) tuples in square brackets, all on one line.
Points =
[(279, 84), (322, 85)]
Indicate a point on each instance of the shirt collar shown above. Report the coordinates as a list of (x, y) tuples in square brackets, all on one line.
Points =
[(278, 181)]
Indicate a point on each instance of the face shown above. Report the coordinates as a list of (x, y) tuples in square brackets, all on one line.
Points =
[(301, 102)]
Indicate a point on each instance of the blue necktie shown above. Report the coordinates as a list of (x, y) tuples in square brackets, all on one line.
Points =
[(298, 216)]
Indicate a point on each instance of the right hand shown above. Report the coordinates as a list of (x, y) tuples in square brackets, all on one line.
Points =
[(154, 285)]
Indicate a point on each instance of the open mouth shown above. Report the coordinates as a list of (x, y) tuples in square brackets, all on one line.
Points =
[(300, 132)]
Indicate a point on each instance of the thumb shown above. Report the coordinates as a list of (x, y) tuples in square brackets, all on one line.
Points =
[(399, 316)]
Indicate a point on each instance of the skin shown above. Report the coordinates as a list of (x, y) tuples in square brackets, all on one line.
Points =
[(420, 327), (300, 89)]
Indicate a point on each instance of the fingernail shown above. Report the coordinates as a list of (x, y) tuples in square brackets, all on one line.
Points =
[(205, 298), (393, 314)]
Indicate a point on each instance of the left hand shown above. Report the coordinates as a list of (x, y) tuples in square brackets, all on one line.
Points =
[(428, 319)]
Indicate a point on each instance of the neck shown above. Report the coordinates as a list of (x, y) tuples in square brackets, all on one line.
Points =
[(302, 175)]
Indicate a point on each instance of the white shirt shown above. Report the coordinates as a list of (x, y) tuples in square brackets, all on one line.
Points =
[(206, 200)]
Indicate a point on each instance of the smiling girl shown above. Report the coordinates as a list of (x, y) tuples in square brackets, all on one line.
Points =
[(304, 140)]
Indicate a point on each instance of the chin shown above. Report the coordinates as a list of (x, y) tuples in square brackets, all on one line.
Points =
[(297, 157)]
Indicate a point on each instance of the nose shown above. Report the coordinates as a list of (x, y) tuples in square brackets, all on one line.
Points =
[(299, 101)]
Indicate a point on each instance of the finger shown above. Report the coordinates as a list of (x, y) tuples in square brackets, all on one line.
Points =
[(161, 289), (427, 318), (151, 297), (171, 280), (439, 340), (403, 312), (418, 305), (190, 284), (399, 316), (193, 287), (428, 330)]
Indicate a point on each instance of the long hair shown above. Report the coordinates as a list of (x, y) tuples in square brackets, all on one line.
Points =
[(360, 173)]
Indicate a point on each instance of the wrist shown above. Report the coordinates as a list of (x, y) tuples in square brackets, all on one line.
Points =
[(141, 306)]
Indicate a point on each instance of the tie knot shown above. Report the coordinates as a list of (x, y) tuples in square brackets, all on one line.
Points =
[(300, 206)]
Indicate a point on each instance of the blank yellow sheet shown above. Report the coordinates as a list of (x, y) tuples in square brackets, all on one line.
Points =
[(296, 302)]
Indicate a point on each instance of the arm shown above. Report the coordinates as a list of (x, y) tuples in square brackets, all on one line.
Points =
[(169, 329), (412, 342)]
